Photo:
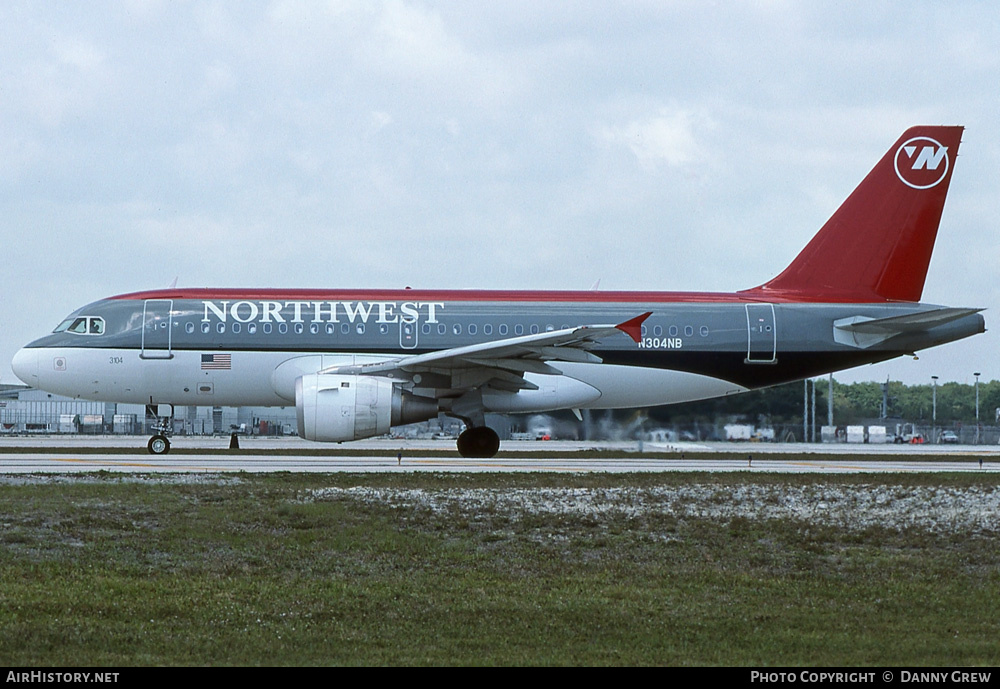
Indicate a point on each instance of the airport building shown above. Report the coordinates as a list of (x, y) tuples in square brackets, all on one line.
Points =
[(25, 410)]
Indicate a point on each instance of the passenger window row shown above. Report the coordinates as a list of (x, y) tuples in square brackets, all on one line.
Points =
[(503, 329), (675, 331)]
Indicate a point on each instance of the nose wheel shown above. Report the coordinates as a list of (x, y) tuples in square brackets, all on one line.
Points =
[(158, 445), (479, 442)]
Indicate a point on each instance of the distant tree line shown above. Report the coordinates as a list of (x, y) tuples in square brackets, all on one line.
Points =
[(852, 403)]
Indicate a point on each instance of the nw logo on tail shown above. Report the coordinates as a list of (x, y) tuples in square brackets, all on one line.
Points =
[(921, 162)]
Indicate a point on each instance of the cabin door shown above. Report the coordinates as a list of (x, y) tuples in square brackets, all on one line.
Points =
[(762, 342), (157, 326)]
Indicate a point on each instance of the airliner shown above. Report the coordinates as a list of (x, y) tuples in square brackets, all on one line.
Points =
[(355, 363)]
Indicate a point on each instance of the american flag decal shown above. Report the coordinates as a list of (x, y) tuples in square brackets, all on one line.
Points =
[(216, 362)]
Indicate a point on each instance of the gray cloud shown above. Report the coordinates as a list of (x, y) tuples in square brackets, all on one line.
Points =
[(511, 145)]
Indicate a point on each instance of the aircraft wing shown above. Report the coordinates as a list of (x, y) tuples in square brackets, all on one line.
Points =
[(502, 363)]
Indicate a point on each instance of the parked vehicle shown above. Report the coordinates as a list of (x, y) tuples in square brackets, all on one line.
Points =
[(907, 433)]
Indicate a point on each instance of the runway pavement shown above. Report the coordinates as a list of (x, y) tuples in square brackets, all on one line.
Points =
[(64, 454)]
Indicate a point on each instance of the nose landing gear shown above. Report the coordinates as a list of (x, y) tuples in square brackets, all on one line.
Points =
[(159, 444)]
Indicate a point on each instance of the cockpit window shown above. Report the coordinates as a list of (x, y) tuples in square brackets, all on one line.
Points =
[(82, 325)]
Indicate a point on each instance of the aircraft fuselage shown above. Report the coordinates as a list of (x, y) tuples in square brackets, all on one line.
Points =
[(224, 348)]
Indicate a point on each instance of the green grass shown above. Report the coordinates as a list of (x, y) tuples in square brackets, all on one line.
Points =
[(261, 570)]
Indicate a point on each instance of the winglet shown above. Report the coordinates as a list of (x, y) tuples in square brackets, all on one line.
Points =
[(633, 326)]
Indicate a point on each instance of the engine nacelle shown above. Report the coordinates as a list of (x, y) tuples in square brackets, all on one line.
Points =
[(336, 408), (551, 392)]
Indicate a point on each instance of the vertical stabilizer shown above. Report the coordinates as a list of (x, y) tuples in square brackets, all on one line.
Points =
[(878, 244)]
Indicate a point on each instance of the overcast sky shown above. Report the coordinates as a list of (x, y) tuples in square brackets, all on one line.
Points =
[(536, 145)]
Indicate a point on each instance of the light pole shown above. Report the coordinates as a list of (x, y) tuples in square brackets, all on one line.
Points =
[(976, 374), (934, 380)]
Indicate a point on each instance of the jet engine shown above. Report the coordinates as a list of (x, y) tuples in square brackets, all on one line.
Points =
[(336, 408)]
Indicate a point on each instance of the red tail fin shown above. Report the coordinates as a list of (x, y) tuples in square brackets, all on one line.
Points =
[(878, 244)]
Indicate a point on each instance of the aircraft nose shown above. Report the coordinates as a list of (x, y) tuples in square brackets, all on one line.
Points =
[(25, 365)]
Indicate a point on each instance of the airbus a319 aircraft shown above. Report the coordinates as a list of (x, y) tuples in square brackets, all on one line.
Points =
[(357, 362)]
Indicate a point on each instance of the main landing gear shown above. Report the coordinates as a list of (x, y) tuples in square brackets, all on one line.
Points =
[(480, 442), (158, 445)]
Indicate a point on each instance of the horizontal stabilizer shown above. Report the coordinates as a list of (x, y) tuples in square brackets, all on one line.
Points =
[(862, 331)]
